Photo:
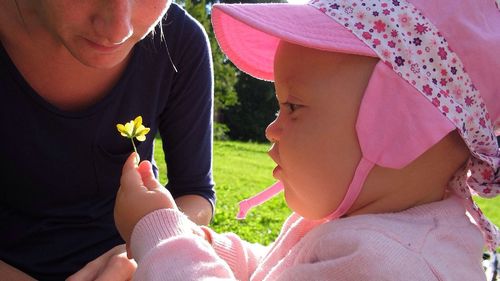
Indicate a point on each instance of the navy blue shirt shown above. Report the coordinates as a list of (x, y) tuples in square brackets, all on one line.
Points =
[(62, 169)]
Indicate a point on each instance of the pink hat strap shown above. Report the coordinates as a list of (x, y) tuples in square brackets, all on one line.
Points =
[(260, 198), (362, 171)]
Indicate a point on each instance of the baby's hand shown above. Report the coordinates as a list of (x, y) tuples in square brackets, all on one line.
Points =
[(139, 194)]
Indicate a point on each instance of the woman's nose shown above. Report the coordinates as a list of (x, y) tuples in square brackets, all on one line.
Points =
[(113, 22), (273, 130)]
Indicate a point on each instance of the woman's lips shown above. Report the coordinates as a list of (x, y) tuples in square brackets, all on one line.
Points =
[(103, 48)]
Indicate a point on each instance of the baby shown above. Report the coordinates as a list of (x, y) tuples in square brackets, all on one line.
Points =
[(386, 121)]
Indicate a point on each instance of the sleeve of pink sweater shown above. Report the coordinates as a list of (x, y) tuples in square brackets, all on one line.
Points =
[(165, 247)]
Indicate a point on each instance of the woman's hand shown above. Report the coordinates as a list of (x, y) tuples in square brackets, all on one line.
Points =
[(139, 194), (110, 266)]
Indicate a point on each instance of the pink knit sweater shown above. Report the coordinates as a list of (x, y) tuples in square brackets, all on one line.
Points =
[(430, 242)]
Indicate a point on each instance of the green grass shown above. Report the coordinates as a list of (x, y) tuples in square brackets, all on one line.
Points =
[(490, 208), (242, 170)]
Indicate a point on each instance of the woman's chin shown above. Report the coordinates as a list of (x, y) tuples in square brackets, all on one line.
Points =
[(101, 59)]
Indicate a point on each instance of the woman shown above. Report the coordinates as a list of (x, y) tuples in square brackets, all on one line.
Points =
[(70, 71)]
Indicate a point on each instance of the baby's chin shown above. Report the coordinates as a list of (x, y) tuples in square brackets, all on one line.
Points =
[(309, 213)]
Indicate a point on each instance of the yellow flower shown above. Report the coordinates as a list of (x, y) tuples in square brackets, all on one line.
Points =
[(134, 129)]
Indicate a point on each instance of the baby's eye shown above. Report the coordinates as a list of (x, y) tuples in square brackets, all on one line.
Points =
[(291, 106)]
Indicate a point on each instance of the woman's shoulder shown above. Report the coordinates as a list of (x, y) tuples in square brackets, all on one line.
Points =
[(179, 27), (178, 35), (178, 15)]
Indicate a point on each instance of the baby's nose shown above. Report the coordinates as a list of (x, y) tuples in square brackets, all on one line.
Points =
[(273, 131)]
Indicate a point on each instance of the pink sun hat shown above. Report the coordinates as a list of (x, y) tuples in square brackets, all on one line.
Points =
[(249, 34), (439, 56)]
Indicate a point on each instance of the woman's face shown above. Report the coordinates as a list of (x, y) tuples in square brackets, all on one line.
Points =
[(98, 33)]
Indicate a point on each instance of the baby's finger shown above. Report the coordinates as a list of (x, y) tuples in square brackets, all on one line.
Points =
[(130, 162), (130, 175), (148, 178)]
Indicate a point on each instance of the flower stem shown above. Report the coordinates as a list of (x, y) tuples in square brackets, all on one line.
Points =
[(137, 159)]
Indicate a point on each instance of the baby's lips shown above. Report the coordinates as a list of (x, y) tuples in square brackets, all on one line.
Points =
[(274, 154)]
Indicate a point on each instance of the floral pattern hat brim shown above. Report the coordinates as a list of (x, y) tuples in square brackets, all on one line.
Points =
[(444, 49)]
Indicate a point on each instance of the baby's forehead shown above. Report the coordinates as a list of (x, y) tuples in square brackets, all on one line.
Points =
[(298, 53), (323, 79), (301, 67)]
